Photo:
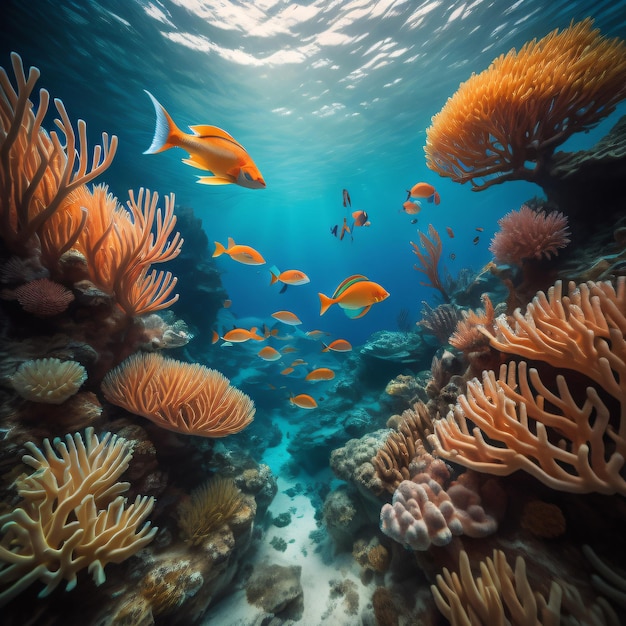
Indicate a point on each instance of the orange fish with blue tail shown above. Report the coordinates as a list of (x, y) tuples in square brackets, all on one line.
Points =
[(355, 295), (210, 148)]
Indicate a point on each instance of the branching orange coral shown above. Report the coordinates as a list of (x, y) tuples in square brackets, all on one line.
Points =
[(120, 245), (517, 422), (429, 259), (525, 104), (37, 169), (184, 397)]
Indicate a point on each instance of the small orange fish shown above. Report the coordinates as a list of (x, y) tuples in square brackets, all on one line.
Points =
[(210, 148), (450, 232), (239, 335), (287, 371), (298, 362), (288, 349), (360, 219), (227, 304), (339, 345), (424, 190), (321, 373), (355, 295), (304, 401), (412, 208), (215, 336), (288, 277), (269, 354), (238, 252), (344, 229), (287, 317), (316, 334), (479, 229)]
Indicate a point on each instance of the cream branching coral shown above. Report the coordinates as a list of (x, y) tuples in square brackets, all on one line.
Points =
[(498, 596), (183, 397), (38, 170), (73, 515), (517, 111), (48, 380), (565, 436)]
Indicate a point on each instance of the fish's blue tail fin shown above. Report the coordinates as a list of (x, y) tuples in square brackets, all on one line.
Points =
[(164, 128)]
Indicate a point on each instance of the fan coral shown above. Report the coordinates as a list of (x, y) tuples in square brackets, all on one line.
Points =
[(182, 397), (43, 297), (209, 507), (525, 104), (429, 260), (37, 169), (515, 421), (73, 515), (49, 380), (528, 234)]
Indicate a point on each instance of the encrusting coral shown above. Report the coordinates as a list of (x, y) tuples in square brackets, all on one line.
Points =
[(577, 445), (517, 111), (183, 397), (73, 515)]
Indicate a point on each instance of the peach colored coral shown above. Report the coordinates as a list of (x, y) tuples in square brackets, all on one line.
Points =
[(38, 170), (516, 421), (183, 397)]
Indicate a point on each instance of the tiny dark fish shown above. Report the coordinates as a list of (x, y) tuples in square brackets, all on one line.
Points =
[(452, 256), (333, 229), (450, 232), (476, 240), (414, 220), (346, 198)]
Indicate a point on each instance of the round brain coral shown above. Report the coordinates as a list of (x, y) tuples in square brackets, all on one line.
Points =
[(505, 122), (528, 234), (43, 297), (49, 381)]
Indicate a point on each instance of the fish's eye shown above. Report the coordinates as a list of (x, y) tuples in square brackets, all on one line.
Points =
[(248, 176)]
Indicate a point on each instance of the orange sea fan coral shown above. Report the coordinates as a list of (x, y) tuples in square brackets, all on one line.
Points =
[(528, 234), (184, 397), (525, 104), (37, 169)]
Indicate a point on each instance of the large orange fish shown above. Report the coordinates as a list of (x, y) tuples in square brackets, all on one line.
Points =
[(210, 148), (424, 190), (321, 373), (355, 295), (237, 252)]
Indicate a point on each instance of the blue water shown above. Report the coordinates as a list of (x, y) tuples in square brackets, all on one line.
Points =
[(324, 96)]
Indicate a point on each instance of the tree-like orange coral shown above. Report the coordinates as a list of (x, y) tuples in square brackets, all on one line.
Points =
[(38, 170), (504, 123), (183, 397), (517, 421), (429, 254)]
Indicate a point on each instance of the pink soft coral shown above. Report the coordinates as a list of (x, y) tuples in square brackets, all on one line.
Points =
[(528, 234)]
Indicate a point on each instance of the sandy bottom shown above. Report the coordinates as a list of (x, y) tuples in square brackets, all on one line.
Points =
[(321, 568)]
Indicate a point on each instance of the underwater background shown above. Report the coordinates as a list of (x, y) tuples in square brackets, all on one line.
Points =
[(325, 96)]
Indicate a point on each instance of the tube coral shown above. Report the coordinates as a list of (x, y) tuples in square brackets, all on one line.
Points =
[(504, 123)]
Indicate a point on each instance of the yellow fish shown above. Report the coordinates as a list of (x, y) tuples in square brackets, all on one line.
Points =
[(210, 148)]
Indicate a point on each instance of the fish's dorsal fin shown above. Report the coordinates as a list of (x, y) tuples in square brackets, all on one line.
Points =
[(205, 131), (231, 242), (347, 283)]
